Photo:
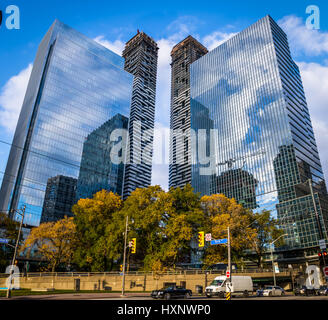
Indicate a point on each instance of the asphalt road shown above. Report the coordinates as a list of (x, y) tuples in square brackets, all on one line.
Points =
[(145, 296), (286, 298)]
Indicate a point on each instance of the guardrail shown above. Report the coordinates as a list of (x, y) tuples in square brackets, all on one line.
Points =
[(180, 272)]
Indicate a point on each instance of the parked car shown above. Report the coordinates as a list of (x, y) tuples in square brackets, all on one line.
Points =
[(259, 292), (304, 291), (240, 285), (270, 291), (171, 292), (323, 291)]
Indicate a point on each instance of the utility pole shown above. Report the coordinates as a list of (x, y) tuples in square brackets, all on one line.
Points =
[(273, 270), (124, 255), (15, 252), (229, 267), (317, 216), (271, 246)]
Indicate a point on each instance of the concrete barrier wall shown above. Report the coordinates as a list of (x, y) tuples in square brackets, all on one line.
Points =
[(142, 282)]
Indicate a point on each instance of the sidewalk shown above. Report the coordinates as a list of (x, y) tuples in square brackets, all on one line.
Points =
[(77, 296)]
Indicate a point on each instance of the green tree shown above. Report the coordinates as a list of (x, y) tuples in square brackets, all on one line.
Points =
[(182, 220), (144, 207), (94, 219), (164, 223), (267, 231)]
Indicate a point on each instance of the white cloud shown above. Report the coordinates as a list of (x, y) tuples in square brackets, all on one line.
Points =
[(11, 98), (116, 46), (160, 176), (216, 38), (303, 40), (315, 81)]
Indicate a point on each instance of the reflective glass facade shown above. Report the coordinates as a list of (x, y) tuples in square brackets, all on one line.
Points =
[(76, 87), (247, 97)]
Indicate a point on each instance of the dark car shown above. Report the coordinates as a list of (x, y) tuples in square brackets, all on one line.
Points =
[(259, 292), (323, 291), (304, 291), (171, 292)]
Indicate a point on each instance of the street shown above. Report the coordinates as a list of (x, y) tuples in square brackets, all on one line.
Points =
[(145, 296)]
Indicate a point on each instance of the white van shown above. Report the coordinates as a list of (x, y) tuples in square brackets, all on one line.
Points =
[(240, 285)]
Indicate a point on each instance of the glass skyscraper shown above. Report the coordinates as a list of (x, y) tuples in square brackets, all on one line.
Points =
[(248, 102), (76, 87)]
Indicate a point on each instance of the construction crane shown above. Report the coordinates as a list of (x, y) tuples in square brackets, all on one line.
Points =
[(232, 160)]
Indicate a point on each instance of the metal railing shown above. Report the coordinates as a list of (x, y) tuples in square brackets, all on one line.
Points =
[(143, 273)]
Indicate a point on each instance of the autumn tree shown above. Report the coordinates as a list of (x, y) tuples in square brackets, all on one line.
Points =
[(54, 241), (164, 224), (145, 208), (8, 230), (94, 220), (221, 213), (182, 219), (267, 231)]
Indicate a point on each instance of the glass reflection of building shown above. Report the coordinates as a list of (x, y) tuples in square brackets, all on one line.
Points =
[(254, 94), (59, 198), (97, 171), (238, 184), (76, 86)]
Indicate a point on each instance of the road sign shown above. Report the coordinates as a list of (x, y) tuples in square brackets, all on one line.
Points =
[(219, 241), (325, 271), (322, 244), (208, 236), (6, 241), (228, 274), (276, 267)]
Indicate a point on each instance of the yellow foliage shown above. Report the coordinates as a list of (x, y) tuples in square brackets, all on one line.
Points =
[(54, 241)]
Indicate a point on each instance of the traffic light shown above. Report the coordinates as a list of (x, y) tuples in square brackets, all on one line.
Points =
[(201, 241), (134, 245), (121, 267), (319, 254), (325, 253)]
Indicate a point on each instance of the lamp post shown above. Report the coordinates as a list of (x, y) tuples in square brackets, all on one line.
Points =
[(124, 255), (271, 245), (15, 252)]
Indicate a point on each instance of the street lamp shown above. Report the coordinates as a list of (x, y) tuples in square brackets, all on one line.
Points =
[(271, 245)]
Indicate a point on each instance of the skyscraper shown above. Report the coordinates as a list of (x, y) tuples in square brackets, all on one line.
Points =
[(183, 54), (59, 198), (262, 136), (140, 54), (75, 87)]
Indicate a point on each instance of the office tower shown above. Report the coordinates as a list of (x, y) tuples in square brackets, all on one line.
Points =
[(140, 54), (262, 136), (97, 170), (183, 54), (59, 198), (76, 85)]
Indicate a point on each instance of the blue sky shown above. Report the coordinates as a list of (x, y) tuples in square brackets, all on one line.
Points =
[(114, 22)]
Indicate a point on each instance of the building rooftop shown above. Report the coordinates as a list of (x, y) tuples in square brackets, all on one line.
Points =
[(186, 41), (140, 36)]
